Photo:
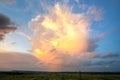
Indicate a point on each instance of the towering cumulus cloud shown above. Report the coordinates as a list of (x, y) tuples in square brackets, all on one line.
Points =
[(61, 37), (6, 26)]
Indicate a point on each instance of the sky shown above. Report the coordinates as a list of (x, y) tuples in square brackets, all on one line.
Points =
[(60, 35)]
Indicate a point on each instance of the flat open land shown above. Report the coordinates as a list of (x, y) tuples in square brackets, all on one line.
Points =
[(58, 76)]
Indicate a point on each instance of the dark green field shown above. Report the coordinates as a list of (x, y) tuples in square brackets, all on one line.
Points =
[(58, 76)]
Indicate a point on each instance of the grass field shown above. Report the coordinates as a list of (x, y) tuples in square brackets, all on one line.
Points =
[(58, 76)]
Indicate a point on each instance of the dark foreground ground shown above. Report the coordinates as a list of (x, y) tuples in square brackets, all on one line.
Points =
[(30, 75)]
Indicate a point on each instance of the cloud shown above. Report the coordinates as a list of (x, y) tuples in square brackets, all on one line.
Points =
[(8, 1), (109, 55), (6, 26), (66, 1), (62, 37), (77, 1), (96, 13), (18, 61), (83, 6), (24, 61), (25, 35), (13, 43), (106, 64), (100, 56), (6, 46), (92, 55)]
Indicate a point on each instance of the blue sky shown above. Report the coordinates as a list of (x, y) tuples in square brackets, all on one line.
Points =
[(21, 12)]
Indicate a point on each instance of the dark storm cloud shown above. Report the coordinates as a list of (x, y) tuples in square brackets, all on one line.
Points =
[(6, 26)]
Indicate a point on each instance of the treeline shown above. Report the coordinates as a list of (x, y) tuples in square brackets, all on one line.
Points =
[(44, 72)]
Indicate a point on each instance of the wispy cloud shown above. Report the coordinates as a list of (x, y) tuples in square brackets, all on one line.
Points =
[(25, 35), (110, 55), (8, 1), (96, 13), (77, 1)]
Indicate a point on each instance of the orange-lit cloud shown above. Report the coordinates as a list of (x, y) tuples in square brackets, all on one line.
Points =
[(61, 36)]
